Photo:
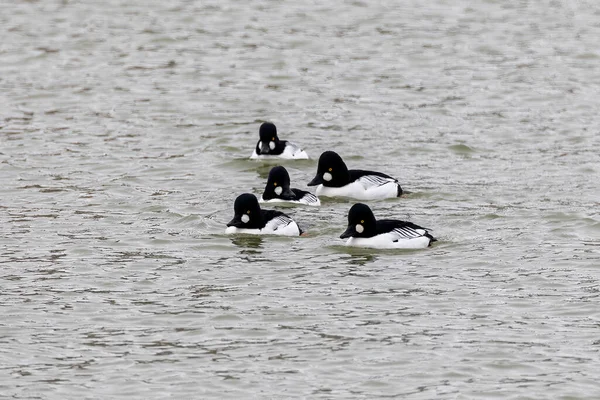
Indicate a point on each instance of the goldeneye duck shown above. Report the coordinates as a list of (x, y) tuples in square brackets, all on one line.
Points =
[(278, 190), (249, 218), (269, 145), (335, 179), (364, 231)]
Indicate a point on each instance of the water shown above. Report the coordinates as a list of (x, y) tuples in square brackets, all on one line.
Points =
[(125, 133)]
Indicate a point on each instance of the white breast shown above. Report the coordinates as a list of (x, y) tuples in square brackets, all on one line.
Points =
[(290, 152), (255, 156), (389, 241), (230, 230), (277, 226), (364, 188)]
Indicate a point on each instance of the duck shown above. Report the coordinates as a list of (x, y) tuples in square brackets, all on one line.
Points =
[(250, 219), (278, 190), (269, 146), (365, 231), (334, 179)]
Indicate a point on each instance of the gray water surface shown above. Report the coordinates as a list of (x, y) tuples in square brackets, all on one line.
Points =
[(124, 139)]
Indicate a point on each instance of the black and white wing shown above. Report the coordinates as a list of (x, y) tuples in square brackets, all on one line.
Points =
[(371, 179), (401, 230), (375, 184), (307, 198), (280, 224), (292, 151), (374, 181)]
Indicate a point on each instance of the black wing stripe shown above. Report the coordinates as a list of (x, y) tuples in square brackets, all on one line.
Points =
[(407, 232), (282, 222), (310, 198)]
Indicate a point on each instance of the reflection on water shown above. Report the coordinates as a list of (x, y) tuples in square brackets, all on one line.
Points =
[(357, 256), (361, 260), (248, 243)]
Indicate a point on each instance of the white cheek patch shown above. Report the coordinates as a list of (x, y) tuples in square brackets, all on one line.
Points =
[(327, 176), (245, 218), (272, 145), (359, 228), (259, 145), (278, 190)]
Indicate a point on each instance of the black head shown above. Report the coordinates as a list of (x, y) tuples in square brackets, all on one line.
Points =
[(361, 222), (331, 171), (278, 185), (268, 138), (247, 213)]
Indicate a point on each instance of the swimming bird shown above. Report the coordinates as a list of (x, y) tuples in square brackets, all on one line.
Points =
[(365, 231), (249, 218), (335, 179), (278, 190), (270, 147)]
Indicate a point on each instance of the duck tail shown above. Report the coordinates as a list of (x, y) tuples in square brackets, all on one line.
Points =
[(431, 238)]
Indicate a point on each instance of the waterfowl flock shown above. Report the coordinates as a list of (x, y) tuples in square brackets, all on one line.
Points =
[(333, 179)]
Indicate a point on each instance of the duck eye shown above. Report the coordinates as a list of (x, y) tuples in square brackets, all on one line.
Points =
[(273, 138), (248, 212), (362, 221), (330, 169), (274, 183)]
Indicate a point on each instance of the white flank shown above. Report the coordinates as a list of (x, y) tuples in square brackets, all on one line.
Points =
[(389, 241), (291, 152), (365, 188), (281, 225)]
